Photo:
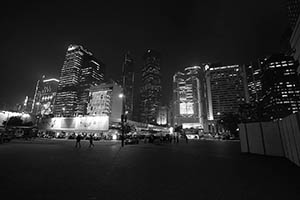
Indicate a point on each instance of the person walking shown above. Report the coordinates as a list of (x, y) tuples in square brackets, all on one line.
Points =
[(91, 138), (186, 138), (78, 138)]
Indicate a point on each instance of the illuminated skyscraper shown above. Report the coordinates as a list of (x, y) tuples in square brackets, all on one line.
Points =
[(45, 95), (293, 9), (128, 84), (150, 87), (280, 87), (190, 98), (254, 84), (80, 71), (227, 89)]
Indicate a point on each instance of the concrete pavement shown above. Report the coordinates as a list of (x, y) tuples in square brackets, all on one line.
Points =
[(54, 169)]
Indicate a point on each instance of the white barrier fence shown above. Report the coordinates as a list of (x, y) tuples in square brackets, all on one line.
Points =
[(280, 138)]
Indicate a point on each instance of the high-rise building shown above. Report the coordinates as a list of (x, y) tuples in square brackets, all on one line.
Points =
[(280, 87), (44, 97), (162, 117), (295, 37), (150, 90), (190, 98), (253, 76), (92, 73), (293, 9), (128, 84), (27, 105), (80, 71), (227, 89)]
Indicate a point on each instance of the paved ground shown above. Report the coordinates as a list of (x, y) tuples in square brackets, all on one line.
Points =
[(54, 169)]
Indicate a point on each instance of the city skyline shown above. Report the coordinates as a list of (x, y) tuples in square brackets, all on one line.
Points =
[(34, 43)]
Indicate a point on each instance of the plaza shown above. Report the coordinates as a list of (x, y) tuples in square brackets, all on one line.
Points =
[(55, 169)]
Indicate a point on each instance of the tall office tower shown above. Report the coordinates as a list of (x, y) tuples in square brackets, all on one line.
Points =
[(190, 98), (293, 8), (27, 105), (128, 84), (162, 116), (227, 89), (253, 76), (44, 97), (80, 70), (280, 87), (150, 87), (92, 73)]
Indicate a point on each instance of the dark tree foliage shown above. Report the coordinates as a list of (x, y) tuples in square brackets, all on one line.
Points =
[(14, 121), (178, 128), (230, 122)]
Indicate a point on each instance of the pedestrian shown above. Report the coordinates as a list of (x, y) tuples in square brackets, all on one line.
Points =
[(91, 138), (78, 138), (186, 138)]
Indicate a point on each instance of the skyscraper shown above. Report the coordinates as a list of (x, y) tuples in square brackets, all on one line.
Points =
[(80, 71), (92, 73), (45, 95), (190, 98), (150, 90), (227, 89), (128, 84), (254, 84), (293, 8), (280, 87)]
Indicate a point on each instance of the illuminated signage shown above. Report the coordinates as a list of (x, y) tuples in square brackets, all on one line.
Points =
[(186, 108), (87, 123)]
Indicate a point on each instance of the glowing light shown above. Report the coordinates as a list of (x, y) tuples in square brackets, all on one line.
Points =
[(51, 79), (121, 95), (114, 137)]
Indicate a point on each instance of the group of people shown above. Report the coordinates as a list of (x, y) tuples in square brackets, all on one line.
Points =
[(166, 139), (79, 137)]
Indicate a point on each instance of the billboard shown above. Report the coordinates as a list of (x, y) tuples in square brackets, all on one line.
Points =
[(186, 108), (99, 103), (87, 123)]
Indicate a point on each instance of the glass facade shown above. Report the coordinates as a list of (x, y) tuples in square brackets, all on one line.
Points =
[(79, 72), (151, 87)]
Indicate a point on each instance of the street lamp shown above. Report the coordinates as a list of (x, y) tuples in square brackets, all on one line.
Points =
[(122, 96)]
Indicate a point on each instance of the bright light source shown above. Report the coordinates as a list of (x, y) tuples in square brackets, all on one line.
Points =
[(121, 95), (126, 112), (114, 137)]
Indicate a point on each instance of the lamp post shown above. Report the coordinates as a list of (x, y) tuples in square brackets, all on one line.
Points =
[(122, 96)]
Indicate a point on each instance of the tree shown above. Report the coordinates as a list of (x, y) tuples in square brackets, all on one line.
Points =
[(230, 122), (178, 128), (13, 121)]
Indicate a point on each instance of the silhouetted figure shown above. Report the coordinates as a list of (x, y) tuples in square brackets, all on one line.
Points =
[(91, 138), (186, 138), (78, 138)]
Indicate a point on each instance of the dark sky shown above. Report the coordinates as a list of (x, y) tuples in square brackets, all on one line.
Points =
[(35, 35)]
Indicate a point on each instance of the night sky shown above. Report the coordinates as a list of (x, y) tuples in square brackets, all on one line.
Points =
[(35, 36)]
